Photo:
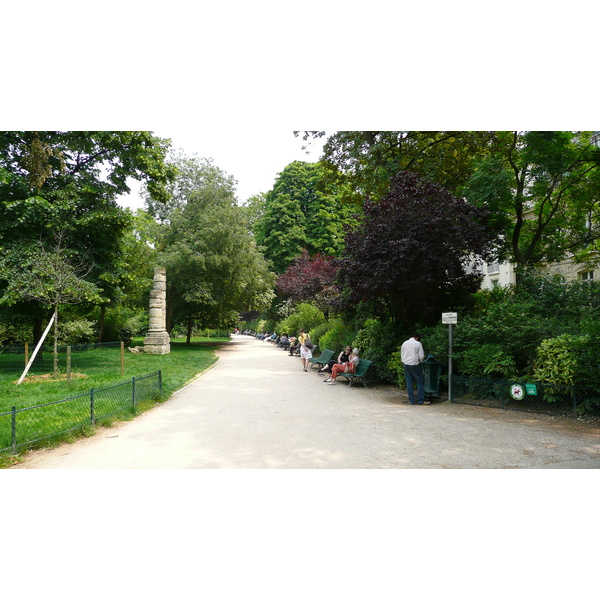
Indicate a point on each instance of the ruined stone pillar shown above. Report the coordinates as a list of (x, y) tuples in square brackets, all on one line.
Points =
[(157, 341)]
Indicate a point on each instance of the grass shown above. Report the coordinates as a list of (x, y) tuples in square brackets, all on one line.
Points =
[(98, 369)]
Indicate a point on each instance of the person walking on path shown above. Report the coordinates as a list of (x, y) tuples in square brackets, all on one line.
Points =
[(305, 349), (412, 355), (349, 367)]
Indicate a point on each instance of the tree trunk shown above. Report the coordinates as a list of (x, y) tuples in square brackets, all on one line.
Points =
[(189, 330), (101, 322)]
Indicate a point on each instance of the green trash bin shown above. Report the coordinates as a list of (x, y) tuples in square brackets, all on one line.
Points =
[(432, 371)]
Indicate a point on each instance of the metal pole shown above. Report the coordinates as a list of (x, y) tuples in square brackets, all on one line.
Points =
[(133, 390), (92, 416), (122, 359), (450, 362)]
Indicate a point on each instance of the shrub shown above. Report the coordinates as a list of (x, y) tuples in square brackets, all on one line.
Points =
[(488, 360), (306, 316), (80, 331), (338, 335), (557, 359), (377, 341)]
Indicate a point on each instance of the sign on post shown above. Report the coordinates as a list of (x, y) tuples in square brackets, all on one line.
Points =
[(450, 318)]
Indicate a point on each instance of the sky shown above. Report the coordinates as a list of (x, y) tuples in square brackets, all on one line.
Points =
[(253, 158)]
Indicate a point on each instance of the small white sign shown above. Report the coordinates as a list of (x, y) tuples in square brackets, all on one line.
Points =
[(449, 318)]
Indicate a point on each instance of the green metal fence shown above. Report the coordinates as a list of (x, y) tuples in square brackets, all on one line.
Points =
[(525, 396), (27, 426)]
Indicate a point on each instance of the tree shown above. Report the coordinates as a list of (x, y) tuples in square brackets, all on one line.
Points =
[(363, 163), (298, 214), (214, 269), (310, 279), (414, 252), (53, 277), (543, 193), (53, 181)]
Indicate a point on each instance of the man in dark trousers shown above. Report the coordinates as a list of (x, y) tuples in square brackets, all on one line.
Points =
[(412, 355)]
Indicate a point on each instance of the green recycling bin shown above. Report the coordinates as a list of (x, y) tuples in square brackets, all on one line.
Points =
[(432, 370)]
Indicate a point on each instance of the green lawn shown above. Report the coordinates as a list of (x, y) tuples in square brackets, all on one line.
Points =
[(102, 369)]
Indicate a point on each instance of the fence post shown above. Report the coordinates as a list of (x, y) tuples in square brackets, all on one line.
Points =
[(92, 417), (133, 391), (122, 359), (160, 381), (68, 365), (13, 430), (26, 353)]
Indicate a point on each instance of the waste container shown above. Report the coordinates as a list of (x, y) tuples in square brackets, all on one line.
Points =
[(432, 370)]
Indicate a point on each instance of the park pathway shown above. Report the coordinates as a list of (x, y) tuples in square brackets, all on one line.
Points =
[(257, 409)]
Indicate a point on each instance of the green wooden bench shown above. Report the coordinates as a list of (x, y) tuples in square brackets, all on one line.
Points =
[(323, 359), (352, 378)]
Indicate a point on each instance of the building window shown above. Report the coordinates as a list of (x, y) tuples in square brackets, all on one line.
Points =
[(586, 275), (493, 268), (494, 283)]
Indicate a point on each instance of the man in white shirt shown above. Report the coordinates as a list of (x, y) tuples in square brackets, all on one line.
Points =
[(412, 355)]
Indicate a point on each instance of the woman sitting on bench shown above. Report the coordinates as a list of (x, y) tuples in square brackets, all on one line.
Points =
[(349, 367)]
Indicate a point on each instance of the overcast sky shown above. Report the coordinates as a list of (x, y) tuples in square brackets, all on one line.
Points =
[(253, 158)]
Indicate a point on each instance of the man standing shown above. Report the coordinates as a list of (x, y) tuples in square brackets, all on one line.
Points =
[(412, 355)]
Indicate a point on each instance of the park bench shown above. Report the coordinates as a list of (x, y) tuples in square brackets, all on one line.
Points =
[(352, 378), (323, 359)]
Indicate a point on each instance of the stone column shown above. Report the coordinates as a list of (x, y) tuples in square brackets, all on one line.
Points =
[(157, 341)]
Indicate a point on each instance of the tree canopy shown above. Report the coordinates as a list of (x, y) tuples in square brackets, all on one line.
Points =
[(414, 252), (542, 189)]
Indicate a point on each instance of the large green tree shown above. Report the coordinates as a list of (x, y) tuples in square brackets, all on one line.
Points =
[(68, 181), (299, 214), (542, 189), (214, 269)]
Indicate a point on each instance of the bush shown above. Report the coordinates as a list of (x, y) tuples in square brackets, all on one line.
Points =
[(338, 335), (377, 341), (488, 360), (80, 331), (306, 316), (557, 359)]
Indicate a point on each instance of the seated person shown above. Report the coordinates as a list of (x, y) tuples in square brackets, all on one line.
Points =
[(343, 357), (349, 367)]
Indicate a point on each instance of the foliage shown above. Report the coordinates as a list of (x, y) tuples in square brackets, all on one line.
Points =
[(541, 188), (556, 360), (377, 340), (338, 335), (488, 360), (414, 252), (214, 269), (80, 331), (363, 163), (68, 182), (298, 214), (310, 278), (305, 316)]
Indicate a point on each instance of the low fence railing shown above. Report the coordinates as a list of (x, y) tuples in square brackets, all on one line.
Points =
[(14, 358), (525, 395), (27, 426)]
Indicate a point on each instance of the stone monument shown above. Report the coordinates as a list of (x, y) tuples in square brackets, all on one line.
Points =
[(157, 341)]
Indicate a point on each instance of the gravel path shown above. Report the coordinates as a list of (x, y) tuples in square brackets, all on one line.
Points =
[(258, 409)]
